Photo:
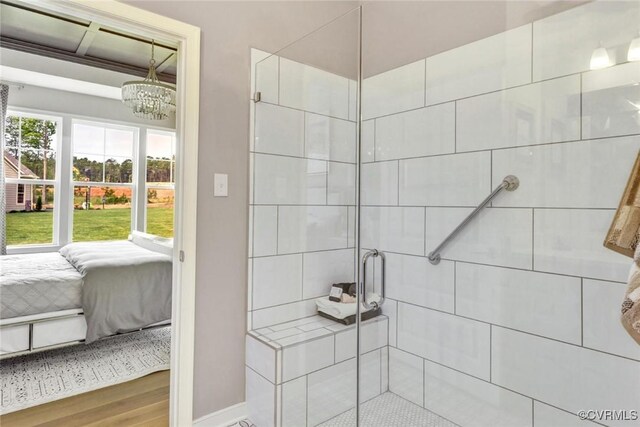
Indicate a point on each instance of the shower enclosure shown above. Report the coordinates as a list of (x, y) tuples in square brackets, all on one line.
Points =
[(466, 181)]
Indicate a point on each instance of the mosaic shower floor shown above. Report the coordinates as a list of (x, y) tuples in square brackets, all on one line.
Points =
[(386, 410), (389, 410)]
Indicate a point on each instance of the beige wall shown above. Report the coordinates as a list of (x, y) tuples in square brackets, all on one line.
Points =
[(229, 30)]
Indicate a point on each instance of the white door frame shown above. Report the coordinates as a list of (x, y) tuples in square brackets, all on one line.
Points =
[(148, 24)]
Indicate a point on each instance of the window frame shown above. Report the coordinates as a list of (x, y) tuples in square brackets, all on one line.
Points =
[(134, 185), (20, 193), (171, 185), (55, 182)]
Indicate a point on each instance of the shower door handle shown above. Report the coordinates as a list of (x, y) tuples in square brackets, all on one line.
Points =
[(363, 284)]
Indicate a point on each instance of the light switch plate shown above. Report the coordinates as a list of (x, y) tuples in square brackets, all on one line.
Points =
[(220, 185)]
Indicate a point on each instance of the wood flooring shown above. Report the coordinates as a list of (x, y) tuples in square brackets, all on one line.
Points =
[(141, 402)]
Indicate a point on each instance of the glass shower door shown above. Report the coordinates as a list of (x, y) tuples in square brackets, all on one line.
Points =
[(301, 347)]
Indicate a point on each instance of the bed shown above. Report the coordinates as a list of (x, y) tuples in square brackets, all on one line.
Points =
[(84, 292)]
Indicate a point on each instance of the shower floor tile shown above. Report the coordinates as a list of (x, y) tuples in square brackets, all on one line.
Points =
[(389, 410)]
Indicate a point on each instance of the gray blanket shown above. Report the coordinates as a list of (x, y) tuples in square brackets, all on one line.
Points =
[(126, 287)]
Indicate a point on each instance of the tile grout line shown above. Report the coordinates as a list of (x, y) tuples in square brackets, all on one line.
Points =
[(533, 419), (279, 77), (375, 137), (277, 230), (381, 375), (491, 174), (398, 183), (469, 206), (580, 120), (455, 127), (424, 383), (302, 110), (533, 238), (455, 286), (532, 50), (491, 353), (560, 409), (306, 420), (582, 312), (326, 188), (291, 156)]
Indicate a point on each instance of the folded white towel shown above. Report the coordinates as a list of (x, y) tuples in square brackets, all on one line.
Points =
[(340, 310)]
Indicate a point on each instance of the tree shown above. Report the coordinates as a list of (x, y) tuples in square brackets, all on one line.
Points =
[(32, 140), (34, 137)]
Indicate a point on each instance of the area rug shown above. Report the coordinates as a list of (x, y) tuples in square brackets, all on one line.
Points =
[(38, 378)]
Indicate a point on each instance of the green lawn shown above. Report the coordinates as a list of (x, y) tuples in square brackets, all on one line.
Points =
[(109, 224)]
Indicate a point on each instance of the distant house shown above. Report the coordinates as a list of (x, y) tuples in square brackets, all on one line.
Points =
[(18, 196)]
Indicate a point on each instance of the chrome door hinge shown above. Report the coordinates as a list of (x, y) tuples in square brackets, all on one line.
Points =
[(181, 256), (257, 97)]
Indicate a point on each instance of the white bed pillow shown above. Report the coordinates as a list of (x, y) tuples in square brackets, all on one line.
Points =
[(152, 242)]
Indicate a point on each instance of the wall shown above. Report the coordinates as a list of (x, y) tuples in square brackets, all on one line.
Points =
[(229, 30), (519, 323)]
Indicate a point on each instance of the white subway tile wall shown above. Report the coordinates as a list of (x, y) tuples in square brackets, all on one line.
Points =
[(450, 180), (497, 62), (311, 89), (327, 138), (276, 280), (538, 113), (379, 183), (460, 343), (519, 323), (423, 132), (602, 319), (548, 416), (604, 110), (394, 91), (564, 375), (406, 375), (469, 401)]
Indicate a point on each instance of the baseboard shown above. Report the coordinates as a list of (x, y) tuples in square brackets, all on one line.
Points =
[(224, 417)]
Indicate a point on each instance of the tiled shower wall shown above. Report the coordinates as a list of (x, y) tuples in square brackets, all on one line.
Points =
[(303, 166), (519, 323)]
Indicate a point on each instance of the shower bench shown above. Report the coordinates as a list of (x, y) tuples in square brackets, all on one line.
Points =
[(303, 372)]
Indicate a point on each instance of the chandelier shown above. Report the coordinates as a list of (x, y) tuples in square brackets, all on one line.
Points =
[(149, 98)]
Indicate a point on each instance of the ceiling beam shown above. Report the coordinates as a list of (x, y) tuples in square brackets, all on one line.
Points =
[(168, 61), (87, 39), (50, 52)]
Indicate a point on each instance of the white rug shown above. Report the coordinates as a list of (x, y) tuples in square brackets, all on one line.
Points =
[(34, 379)]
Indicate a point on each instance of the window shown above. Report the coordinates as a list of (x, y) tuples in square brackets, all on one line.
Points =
[(20, 198), (30, 166), (113, 182), (161, 159), (103, 181)]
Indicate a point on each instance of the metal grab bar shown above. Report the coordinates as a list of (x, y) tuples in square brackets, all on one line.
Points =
[(372, 253), (509, 183)]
